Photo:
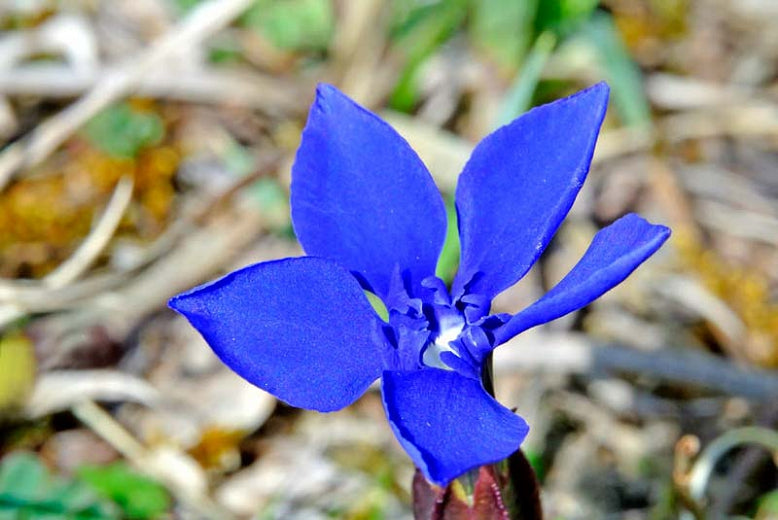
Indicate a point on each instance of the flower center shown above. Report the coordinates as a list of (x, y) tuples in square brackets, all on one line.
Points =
[(427, 328), (449, 331)]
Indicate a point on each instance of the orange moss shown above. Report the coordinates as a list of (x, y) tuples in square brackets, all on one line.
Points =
[(43, 217), (217, 448)]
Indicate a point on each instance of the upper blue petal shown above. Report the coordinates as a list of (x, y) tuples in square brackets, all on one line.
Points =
[(518, 186), (614, 253), (361, 195), (299, 328), (447, 423)]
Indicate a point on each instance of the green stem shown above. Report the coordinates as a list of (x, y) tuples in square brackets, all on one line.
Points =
[(518, 99), (487, 375)]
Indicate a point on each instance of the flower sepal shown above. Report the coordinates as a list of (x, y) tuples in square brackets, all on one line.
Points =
[(507, 490)]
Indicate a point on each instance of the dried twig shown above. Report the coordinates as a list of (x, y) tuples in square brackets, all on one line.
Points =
[(706, 462), (446, 153), (203, 21), (710, 456), (673, 92), (78, 263), (58, 390), (35, 296), (738, 222), (200, 85), (67, 34), (175, 469), (672, 198), (574, 353), (695, 297), (199, 256), (18, 298), (358, 49), (97, 239)]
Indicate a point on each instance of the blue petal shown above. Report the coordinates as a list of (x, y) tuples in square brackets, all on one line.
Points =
[(299, 328), (362, 197), (447, 423), (615, 252), (518, 186)]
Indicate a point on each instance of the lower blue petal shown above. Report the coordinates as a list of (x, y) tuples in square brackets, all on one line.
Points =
[(447, 423), (299, 328), (615, 252)]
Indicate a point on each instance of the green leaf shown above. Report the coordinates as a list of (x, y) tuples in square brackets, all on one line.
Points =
[(138, 496), (224, 51), (622, 73), (186, 5), (273, 200), (378, 305), (518, 99), (293, 24), (535, 460), (28, 491), (21, 473), (238, 159), (416, 37), (121, 131), (17, 370), (563, 16), (503, 29), (448, 262), (768, 505)]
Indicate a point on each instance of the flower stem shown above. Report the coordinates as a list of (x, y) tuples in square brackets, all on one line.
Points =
[(523, 489), (487, 375)]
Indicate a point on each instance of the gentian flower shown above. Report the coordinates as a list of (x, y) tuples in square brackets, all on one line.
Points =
[(370, 218)]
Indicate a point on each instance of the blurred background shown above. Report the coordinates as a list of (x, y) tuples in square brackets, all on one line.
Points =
[(146, 149)]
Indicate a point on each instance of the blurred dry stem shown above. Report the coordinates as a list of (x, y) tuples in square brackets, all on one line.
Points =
[(569, 353), (20, 299), (182, 476), (97, 240), (359, 49), (702, 470), (59, 390), (201, 85), (694, 468), (203, 21), (81, 259)]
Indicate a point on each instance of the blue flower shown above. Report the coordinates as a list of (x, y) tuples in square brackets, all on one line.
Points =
[(368, 214)]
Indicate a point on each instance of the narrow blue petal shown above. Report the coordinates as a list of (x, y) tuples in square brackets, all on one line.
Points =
[(518, 186), (362, 197), (615, 252), (299, 328), (461, 366), (447, 423)]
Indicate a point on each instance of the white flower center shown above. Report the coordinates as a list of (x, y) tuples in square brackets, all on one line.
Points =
[(442, 343)]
